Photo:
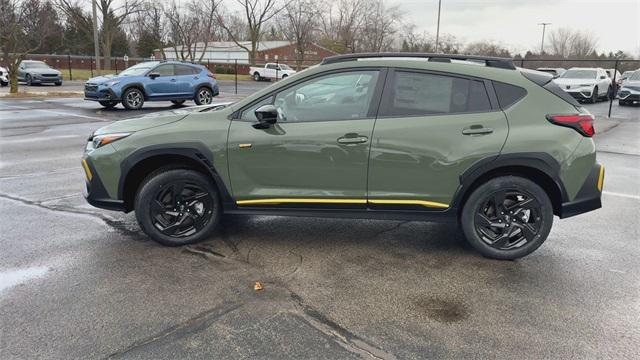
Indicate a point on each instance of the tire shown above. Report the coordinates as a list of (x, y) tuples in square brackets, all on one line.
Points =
[(204, 96), (3, 84), (177, 102), (500, 232), (256, 76), (594, 96), (133, 99), (108, 104), (622, 103), (155, 206), (28, 80), (284, 77), (58, 83)]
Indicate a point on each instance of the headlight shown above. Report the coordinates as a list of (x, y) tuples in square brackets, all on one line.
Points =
[(112, 83), (101, 140)]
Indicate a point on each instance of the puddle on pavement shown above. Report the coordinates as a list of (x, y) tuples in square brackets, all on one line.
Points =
[(442, 310), (13, 277)]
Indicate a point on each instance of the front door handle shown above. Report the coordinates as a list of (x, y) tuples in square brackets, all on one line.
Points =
[(349, 139), (476, 130), (173, 80)]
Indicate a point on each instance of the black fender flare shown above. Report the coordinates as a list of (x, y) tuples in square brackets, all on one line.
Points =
[(137, 85), (539, 161), (196, 151)]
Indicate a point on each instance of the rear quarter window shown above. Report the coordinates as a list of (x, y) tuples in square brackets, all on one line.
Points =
[(508, 94)]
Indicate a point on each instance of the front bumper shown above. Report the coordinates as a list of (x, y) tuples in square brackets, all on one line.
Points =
[(94, 191), (588, 197), (40, 79), (629, 95), (580, 94), (99, 93)]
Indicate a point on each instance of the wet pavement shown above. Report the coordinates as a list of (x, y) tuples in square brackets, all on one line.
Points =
[(79, 282)]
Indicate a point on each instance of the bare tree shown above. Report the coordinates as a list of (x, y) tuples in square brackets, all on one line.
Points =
[(424, 42), (256, 14), (341, 25), (380, 25), (18, 37), (191, 27), (486, 48), (298, 23), (565, 42)]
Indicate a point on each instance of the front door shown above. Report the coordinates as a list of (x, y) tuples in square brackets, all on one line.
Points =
[(317, 152), (163, 85), (430, 129)]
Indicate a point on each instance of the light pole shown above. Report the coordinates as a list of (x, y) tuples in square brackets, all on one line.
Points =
[(438, 27), (544, 27), (96, 49)]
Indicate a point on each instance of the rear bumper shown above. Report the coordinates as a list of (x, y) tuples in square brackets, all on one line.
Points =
[(589, 196), (94, 191)]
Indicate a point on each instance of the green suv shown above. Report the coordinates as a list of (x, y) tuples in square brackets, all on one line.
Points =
[(472, 140)]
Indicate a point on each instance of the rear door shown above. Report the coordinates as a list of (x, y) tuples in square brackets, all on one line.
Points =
[(163, 85), (186, 77), (431, 127)]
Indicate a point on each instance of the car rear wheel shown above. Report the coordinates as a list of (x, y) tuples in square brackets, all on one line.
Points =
[(133, 99), (256, 77), (204, 96), (507, 217), (177, 102), (177, 207), (108, 104)]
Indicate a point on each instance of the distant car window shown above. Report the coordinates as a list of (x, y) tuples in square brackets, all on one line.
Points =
[(185, 70), (250, 115), (36, 65), (508, 94), (271, 66), (164, 70), (579, 74), (635, 76), (339, 96), (414, 94)]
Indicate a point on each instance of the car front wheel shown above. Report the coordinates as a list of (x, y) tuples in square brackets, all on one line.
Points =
[(28, 80), (177, 207), (133, 99), (204, 96), (507, 217)]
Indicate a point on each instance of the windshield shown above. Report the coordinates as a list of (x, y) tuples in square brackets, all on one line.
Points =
[(579, 74), (36, 65), (140, 69), (635, 76)]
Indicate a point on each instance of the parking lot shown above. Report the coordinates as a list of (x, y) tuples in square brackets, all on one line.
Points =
[(79, 282)]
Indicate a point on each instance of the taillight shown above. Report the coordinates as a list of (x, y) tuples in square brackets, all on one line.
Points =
[(582, 123), (211, 75)]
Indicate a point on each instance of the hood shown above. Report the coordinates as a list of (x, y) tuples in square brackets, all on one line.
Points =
[(563, 81), (44, 71), (101, 79), (141, 123)]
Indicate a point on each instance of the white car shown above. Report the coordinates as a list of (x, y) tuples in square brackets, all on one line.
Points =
[(4, 76), (586, 84), (271, 71)]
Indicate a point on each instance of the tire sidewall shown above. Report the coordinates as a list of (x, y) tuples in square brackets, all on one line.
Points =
[(197, 97), (477, 199), (149, 189), (125, 103)]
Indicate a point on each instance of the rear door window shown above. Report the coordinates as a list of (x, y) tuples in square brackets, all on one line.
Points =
[(416, 94), (185, 70)]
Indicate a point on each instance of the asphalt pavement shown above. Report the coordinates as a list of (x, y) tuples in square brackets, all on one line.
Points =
[(79, 282)]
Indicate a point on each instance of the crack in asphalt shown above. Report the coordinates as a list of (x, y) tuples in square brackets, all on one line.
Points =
[(114, 224), (393, 228), (191, 326)]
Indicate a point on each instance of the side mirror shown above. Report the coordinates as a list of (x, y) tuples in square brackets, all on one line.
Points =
[(267, 115), (154, 75)]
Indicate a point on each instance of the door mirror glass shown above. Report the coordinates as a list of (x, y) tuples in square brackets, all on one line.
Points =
[(154, 75), (266, 115)]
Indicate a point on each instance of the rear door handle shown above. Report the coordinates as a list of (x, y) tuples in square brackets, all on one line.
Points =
[(476, 130), (349, 139), (173, 80)]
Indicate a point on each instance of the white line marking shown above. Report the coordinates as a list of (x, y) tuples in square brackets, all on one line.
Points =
[(33, 139), (68, 114), (629, 196)]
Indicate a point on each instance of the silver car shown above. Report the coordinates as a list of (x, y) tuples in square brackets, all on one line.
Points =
[(630, 90), (38, 72)]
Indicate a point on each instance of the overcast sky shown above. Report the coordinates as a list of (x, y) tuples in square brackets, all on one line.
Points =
[(513, 23)]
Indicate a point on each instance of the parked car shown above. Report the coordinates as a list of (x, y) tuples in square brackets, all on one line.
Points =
[(555, 72), (271, 71), (386, 136), (153, 81), (630, 90), (626, 74), (4, 76), (38, 72), (611, 73), (586, 84)]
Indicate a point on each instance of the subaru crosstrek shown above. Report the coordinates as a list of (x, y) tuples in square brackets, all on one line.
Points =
[(153, 81), (473, 140)]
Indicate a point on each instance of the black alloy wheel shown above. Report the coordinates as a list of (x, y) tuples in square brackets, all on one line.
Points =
[(181, 209), (29, 80), (204, 96)]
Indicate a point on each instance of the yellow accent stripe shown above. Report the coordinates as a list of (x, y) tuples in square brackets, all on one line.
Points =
[(341, 201), (87, 171), (601, 178), (410, 202)]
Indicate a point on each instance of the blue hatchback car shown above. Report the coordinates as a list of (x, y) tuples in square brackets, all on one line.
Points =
[(153, 81)]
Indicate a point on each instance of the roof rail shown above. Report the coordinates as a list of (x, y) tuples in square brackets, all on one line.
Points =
[(497, 62)]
